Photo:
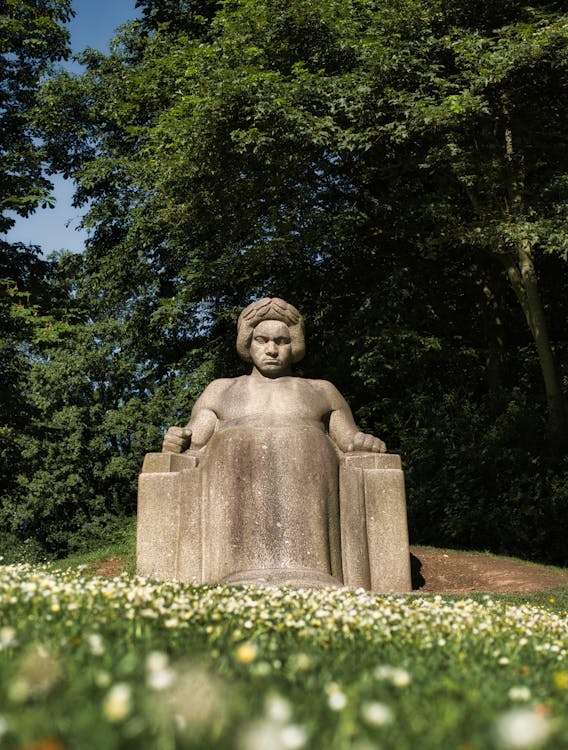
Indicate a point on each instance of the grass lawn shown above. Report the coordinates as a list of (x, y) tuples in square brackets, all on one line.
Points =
[(87, 662)]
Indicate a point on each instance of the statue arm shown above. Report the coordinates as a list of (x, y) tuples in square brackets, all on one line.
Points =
[(342, 428), (201, 425)]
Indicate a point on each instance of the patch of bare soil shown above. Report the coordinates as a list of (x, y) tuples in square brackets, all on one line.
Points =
[(110, 568), (437, 571), (445, 572)]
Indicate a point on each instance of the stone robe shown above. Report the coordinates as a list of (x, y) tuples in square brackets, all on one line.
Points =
[(271, 503)]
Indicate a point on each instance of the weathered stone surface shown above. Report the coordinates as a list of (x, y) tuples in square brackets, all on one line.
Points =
[(160, 462), (168, 545), (373, 523), (158, 531), (190, 543), (387, 531), (287, 514), (279, 485)]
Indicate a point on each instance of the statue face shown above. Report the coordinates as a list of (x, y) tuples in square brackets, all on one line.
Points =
[(271, 348)]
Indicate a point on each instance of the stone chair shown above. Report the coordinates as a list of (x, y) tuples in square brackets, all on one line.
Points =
[(171, 537)]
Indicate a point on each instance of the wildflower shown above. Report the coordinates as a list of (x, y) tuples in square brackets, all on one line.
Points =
[(39, 673), (400, 678), (160, 679), (260, 736), (277, 709), (560, 680), (301, 662), (46, 744), (96, 644), (261, 669), (197, 700), (520, 693), (293, 737), (264, 734), (524, 728), (156, 660), (159, 675), (376, 714), (102, 679), (336, 698), (117, 704), (397, 676), (7, 637), (246, 653)]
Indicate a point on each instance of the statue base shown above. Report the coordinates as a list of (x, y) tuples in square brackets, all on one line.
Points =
[(373, 527), (283, 577)]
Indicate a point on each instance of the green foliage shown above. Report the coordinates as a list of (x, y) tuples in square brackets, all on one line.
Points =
[(381, 166), (113, 550), (483, 485), (32, 39), (98, 403)]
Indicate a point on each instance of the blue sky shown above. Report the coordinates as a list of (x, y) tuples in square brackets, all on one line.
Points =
[(55, 229)]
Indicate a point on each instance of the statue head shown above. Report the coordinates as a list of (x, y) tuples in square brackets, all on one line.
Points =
[(270, 309)]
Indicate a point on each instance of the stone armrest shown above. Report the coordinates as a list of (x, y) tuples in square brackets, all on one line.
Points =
[(368, 460), (160, 463)]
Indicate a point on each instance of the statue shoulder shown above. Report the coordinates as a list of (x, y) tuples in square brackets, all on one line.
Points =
[(324, 385), (215, 390), (221, 383), (326, 388)]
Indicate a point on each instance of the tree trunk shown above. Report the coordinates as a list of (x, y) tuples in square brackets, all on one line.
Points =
[(522, 275)]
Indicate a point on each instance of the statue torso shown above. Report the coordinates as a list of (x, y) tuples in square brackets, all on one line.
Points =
[(287, 398)]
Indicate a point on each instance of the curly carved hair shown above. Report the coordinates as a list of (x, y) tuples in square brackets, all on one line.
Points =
[(270, 309)]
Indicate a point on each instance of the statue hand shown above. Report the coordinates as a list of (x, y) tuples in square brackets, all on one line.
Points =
[(177, 440), (365, 442)]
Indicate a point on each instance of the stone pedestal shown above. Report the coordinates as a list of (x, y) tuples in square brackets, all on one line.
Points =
[(168, 544), (374, 531), (373, 527)]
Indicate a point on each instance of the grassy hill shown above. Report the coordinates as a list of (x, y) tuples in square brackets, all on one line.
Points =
[(97, 662)]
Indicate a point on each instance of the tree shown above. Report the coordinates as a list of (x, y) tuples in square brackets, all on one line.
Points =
[(500, 140), (32, 38), (365, 160)]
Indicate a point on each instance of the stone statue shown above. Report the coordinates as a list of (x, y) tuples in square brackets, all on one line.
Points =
[(277, 469)]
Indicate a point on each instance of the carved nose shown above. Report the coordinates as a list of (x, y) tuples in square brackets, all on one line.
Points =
[(271, 348)]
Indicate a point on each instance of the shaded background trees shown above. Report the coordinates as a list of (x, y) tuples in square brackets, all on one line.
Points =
[(398, 171), (32, 39)]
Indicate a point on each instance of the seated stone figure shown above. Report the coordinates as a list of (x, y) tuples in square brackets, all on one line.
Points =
[(267, 448)]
